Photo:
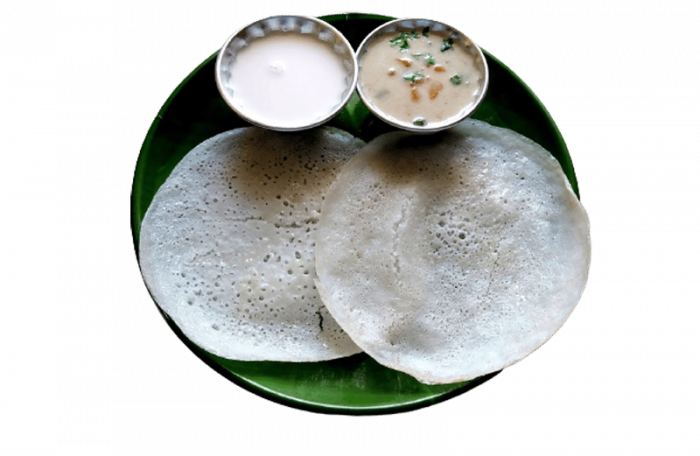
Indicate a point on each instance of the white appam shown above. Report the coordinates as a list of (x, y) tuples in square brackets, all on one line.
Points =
[(453, 255), (226, 246)]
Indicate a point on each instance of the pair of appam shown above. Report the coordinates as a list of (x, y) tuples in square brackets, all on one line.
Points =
[(446, 256)]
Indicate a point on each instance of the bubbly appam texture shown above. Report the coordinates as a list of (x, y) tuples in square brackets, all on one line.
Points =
[(227, 244), (453, 255)]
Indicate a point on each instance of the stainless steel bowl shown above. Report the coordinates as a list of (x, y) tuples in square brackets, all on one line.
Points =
[(460, 39), (285, 25)]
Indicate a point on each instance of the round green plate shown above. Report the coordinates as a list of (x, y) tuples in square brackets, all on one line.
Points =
[(357, 384)]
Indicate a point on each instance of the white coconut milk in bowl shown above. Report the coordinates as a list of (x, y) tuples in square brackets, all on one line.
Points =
[(287, 73)]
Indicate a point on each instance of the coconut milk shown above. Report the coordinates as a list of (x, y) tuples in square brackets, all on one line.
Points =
[(287, 80)]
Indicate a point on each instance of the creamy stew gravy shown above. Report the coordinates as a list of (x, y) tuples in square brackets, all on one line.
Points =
[(419, 77)]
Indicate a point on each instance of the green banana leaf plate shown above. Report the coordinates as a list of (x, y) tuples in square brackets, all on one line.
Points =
[(355, 385)]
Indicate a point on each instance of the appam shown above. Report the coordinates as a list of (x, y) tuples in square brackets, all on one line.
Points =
[(453, 255), (226, 246)]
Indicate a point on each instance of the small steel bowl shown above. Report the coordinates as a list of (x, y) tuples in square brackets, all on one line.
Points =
[(420, 25), (285, 25)]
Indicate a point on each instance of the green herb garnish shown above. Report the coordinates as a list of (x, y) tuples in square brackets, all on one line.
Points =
[(429, 59), (425, 31), (446, 45), (401, 40), (456, 79), (419, 121), (414, 77)]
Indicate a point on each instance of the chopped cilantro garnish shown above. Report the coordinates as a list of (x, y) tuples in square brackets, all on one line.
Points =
[(456, 79), (429, 59), (401, 40), (446, 45), (425, 31), (419, 121), (413, 77)]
